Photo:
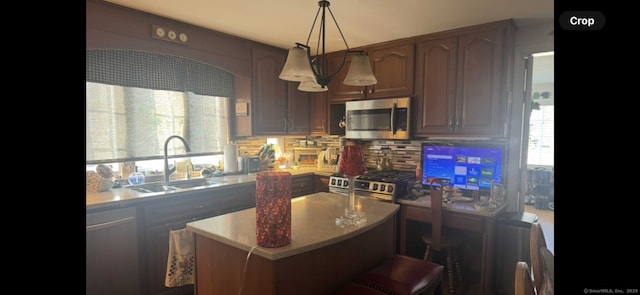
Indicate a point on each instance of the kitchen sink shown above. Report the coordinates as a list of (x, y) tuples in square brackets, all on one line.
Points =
[(161, 186)]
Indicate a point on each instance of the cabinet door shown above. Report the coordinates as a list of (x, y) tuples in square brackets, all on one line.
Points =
[(318, 113), (298, 119), (157, 252), (302, 185), (393, 67), (338, 92), (479, 109), (322, 183), (269, 92), (112, 253), (435, 86), (174, 213)]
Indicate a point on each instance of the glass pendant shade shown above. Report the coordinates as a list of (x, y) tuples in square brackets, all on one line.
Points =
[(360, 73), (311, 86), (297, 67)]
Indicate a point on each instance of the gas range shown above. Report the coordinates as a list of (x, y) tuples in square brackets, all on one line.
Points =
[(382, 185)]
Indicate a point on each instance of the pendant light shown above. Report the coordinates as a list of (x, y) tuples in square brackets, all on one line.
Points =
[(313, 74)]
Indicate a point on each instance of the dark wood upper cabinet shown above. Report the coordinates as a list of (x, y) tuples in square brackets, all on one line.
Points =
[(269, 93), (279, 108), (462, 81), (392, 64), (298, 110), (318, 113)]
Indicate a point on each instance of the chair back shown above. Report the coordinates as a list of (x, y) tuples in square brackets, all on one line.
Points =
[(537, 242), (547, 272), (436, 213), (523, 283)]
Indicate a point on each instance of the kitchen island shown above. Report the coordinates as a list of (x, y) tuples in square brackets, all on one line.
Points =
[(320, 259)]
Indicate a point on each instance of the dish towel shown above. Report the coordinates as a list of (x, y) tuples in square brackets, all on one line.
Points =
[(181, 261)]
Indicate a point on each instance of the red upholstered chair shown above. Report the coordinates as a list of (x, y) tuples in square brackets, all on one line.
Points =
[(442, 242), (399, 275), (354, 288)]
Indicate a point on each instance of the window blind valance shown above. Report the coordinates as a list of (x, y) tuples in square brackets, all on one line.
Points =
[(150, 70)]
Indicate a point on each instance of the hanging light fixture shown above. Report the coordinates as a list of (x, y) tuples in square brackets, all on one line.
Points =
[(313, 74)]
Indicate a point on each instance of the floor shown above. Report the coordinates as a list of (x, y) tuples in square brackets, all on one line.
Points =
[(545, 218)]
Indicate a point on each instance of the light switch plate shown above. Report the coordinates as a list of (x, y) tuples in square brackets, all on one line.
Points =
[(242, 109)]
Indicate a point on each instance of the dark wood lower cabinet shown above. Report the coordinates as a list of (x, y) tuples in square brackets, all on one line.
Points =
[(322, 183), (302, 185), (173, 214)]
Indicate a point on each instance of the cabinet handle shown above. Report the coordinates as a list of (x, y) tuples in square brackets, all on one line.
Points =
[(110, 223), (450, 124)]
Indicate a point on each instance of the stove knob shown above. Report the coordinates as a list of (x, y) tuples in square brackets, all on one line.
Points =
[(375, 187), (383, 187), (333, 181), (346, 183), (390, 189)]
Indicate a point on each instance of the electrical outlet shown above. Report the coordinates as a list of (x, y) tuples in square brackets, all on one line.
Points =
[(168, 34)]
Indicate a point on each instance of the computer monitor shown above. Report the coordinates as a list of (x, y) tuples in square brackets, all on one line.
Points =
[(466, 165)]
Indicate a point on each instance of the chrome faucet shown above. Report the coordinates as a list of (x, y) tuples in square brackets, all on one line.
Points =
[(167, 171)]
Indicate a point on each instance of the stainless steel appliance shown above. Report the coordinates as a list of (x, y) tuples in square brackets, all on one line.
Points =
[(378, 118), (251, 164), (382, 185)]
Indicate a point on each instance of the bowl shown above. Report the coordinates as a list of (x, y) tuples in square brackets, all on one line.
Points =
[(97, 183)]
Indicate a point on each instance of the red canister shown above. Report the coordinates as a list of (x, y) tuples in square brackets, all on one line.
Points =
[(273, 209)]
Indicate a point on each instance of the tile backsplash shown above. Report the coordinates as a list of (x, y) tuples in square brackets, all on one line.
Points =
[(405, 155)]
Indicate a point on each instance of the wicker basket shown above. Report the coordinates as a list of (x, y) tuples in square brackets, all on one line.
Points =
[(96, 183)]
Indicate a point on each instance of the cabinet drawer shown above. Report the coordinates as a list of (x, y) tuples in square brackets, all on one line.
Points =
[(449, 219), (421, 214), (463, 222)]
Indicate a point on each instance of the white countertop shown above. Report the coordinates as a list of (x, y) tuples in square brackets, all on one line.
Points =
[(462, 207), (312, 224)]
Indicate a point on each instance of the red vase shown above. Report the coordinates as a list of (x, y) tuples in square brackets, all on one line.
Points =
[(273, 209)]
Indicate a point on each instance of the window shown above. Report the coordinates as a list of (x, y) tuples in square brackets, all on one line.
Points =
[(133, 123), (541, 136), (541, 127), (136, 100)]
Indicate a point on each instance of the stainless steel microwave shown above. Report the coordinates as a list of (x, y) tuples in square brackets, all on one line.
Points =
[(378, 118)]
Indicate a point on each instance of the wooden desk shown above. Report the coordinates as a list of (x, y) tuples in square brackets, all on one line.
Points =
[(461, 216), (321, 258)]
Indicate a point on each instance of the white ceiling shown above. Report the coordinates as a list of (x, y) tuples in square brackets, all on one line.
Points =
[(281, 23)]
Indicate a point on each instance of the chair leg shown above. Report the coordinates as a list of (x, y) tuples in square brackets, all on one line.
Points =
[(458, 263), (427, 253), (450, 272)]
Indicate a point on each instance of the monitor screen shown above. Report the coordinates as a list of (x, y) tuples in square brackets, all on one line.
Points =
[(465, 165)]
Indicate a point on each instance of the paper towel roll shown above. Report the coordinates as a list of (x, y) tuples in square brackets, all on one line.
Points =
[(230, 158)]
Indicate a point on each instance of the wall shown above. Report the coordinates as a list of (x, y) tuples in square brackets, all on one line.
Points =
[(529, 39)]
